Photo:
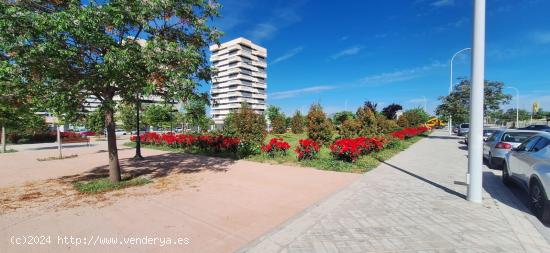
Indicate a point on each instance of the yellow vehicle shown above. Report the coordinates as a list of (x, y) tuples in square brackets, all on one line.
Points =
[(435, 123)]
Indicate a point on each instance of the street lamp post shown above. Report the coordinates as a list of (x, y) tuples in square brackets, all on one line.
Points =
[(138, 136), (475, 155), (425, 103), (517, 105), (451, 86)]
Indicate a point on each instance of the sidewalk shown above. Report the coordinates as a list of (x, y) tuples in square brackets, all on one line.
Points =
[(413, 203)]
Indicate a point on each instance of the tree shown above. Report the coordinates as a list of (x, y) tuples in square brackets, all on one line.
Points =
[(195, 112), (350, 128), (278, 124), (371, 105), (272, 112), (367, 119), (250, 127), (319, 127), (95, 121), (297, 124), (127, 115), (457, 103), (157, 115), (341, 117), (73, 50), (391, 110), (414, 117)]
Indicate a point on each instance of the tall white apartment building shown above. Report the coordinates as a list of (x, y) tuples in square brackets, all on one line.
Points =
[(240, 77)]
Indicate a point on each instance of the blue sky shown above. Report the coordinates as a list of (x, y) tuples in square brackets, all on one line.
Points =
[(346, 52)]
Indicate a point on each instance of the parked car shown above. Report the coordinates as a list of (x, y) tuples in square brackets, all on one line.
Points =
[(537, 128), (487, 132), (501, 142), (528, 165), (463, 129), (120, 132)]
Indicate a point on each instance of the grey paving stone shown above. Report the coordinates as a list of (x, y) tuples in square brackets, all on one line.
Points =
[(412, 204)]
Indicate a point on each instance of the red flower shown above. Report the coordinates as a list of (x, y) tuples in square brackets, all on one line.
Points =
[(276, 146), (307, 149), (349, 149)]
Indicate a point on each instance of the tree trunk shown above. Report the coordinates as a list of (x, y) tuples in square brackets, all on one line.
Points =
[(3, 139), (59, 145), (114, 166)]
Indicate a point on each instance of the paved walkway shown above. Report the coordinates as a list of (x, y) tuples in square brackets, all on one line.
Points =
[(413, 203)]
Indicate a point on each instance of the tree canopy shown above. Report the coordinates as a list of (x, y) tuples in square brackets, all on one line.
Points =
[(457, 103), (68, 51)]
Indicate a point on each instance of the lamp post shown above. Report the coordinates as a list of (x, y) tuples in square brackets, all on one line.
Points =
[(475, 154), (425, 103), (517, 105), (138, 136), (451, 86)]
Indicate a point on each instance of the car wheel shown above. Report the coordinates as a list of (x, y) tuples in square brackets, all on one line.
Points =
[(490, 161), (506, 180), (539, 201)]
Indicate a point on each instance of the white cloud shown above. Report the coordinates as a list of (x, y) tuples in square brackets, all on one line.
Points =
[(442, 3), (389, 77), (279, 19), (417, 101), (401, 75), (541, 37), (287, 55), (262, 31), (294, 93), (347, 52)]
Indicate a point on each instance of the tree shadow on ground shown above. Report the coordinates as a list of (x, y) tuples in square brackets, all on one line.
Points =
[(65, 146), (157, 166), (441, 187)]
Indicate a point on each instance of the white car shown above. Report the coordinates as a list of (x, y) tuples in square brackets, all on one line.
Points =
[(529, 166), (120, 132)]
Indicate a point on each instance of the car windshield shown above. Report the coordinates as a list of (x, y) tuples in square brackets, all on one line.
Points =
[(517, 137), (465, 126)]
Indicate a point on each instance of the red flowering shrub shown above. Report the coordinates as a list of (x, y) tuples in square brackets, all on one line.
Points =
[(218, 143), (307, 149), (349, 149), (168, 138), (70, 135), (276, 146), (377, 143), (230, 143), (410, 132)]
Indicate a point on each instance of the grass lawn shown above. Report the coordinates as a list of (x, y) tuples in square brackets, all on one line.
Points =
[(104, 184), (9, 151), (325, 160)]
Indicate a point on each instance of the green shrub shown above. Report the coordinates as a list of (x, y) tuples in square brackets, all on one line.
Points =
[(350, 128), (250, 128), (319, 127), (386, 126), (403, 122), (297, 123), (278, 124), (229, 128), (367, 118), (415, 117)]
